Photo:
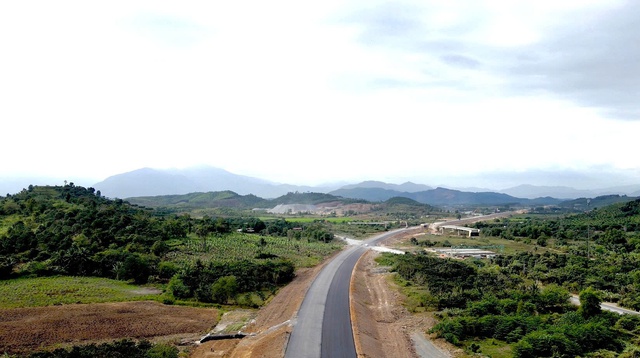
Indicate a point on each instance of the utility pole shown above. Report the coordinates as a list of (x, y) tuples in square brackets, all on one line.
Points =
[(588, 233)]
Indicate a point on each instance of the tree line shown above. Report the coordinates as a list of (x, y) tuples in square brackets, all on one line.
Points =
[(482, 300)]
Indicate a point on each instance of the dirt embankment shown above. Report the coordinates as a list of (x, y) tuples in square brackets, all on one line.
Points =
[(380, 322), (382, 325)]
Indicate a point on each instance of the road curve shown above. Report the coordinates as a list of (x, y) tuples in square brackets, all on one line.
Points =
[(323, 324)]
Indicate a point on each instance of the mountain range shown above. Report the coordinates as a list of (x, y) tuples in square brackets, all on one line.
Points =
[(153, 182)]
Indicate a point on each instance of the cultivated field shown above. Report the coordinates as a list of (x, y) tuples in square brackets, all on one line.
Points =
[(237, 246)]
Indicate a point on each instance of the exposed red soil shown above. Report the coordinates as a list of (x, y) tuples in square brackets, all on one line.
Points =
[(29, 329)]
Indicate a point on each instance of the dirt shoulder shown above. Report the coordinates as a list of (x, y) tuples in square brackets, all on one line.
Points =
[(382, 325)]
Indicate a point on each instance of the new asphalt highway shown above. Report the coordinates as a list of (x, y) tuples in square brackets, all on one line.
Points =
[(322, 328)]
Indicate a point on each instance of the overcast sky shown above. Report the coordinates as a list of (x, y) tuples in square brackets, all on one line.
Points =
[(312, 92)]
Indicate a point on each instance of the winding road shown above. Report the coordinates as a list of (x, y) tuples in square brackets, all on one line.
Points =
[(323, 324)]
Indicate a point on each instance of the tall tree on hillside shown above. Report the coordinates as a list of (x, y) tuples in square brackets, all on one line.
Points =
[(589, 303)]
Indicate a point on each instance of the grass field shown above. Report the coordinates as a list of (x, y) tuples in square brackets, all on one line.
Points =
[(48, 291), (494, 348)]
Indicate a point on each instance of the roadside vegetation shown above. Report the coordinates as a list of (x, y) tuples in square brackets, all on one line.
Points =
[(517, 304), (69, 244), (73, 231)]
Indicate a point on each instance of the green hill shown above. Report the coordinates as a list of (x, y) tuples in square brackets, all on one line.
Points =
[(585, 204), (199, 200)]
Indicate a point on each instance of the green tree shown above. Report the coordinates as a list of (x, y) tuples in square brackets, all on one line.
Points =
[(589, 303), (162, 351), (224, 289), (177, 287)]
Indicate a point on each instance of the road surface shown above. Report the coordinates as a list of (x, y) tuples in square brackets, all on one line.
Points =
[(323, 324), (575, 299)]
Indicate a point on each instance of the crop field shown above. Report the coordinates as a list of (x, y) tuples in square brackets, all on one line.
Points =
[(240, 246), (28, 329), (47, 291)]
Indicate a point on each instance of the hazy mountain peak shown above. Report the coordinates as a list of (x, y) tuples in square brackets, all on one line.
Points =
[(374, 184)]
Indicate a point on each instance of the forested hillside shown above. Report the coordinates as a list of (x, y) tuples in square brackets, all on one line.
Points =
[(518, 304), (72, 230)]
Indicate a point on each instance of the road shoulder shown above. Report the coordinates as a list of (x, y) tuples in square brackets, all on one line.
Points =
[(382, 325)]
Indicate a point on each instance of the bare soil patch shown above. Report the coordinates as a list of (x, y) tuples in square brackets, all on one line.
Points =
[(28, 329), (379, 320)]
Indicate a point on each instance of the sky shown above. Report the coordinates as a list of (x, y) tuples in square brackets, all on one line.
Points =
[(468, 92)]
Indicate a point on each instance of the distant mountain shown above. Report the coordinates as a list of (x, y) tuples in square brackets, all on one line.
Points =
[(441, 196), (586, 204), (533, 191), (408, 187), (152, 182), (565, 192), (369, 194)]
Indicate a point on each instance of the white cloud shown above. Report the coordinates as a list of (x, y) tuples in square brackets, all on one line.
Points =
[(304, 93)]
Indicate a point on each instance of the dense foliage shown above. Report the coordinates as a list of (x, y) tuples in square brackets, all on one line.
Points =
[(522, 299), (218, 282), (597, 222), (599, 248), (72, 230), (124, 348), (484, 301)]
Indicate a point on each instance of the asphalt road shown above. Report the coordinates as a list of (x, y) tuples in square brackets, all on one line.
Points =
[(337, 335), (605, 306), (322, 328)]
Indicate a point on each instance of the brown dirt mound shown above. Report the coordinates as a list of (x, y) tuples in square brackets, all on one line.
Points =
[(29, 329)]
